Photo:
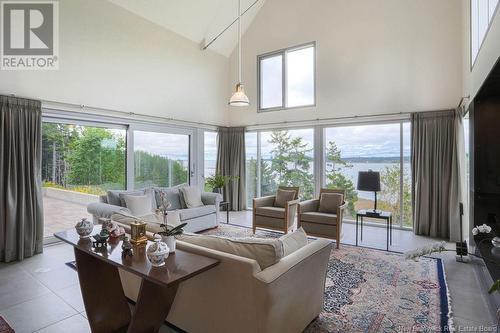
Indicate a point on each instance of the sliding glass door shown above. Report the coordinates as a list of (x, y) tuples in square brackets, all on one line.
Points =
[(80, 160), (161, 159)]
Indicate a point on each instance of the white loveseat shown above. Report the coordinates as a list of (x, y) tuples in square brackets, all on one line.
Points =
[(238, 296)]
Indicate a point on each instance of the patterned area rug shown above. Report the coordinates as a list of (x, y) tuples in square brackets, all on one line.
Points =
[(370, 290)]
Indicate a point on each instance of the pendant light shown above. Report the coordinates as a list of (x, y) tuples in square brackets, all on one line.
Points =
[(239, 98)]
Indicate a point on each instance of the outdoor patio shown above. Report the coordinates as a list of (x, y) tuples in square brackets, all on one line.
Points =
[(61, 215)]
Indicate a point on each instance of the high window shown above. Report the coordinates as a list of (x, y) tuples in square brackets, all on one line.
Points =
[(481, 15), (287, 78)]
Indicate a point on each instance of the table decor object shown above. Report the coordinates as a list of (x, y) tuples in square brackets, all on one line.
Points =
[(101, 239), (114, 229), (126, 247), (138, 233), (84, 228), (370, 181), (157, 253), (168, 234)]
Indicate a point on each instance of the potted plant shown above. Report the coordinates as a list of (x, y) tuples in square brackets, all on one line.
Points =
[(218, 181), (169, 233)]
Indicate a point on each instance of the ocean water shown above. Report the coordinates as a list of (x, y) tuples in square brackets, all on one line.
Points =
[(351, 173)]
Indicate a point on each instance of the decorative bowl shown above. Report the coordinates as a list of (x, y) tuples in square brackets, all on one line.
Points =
[(84, 228), (157, 253)]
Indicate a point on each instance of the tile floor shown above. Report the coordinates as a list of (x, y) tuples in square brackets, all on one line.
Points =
[(41, 294)]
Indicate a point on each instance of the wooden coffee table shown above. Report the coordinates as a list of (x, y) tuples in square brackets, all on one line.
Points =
[(105, 302)]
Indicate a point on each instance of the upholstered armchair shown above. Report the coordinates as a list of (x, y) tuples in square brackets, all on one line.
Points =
[(323, 217), (276, 212)]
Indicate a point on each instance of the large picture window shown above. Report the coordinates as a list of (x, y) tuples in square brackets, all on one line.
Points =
[(210, 155), (161, 159), (287, 78), (384, 148), (79, 162)]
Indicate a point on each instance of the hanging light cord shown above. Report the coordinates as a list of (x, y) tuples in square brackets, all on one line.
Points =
[(229, 26), (239, 41)]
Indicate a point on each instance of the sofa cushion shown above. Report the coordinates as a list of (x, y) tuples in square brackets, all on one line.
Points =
[(192, 196), (139, 205), (174, 196), (266, 252), (293, 241), (191, 213), (329, 202), (318, 217), (113, 196), (276, 212), (283, 196)]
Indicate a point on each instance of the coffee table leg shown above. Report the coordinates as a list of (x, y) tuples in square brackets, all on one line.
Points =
[(105, 303), (227, 214), (153, 305), (390, 231), (361, 217)]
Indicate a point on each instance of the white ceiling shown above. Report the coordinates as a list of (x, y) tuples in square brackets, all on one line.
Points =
[(197, 20)]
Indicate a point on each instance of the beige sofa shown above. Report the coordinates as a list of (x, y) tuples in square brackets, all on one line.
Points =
[(237, 296)]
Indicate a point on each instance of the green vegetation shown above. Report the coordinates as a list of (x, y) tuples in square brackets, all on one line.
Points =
[(217, 181), (92, 160), (389, 196)]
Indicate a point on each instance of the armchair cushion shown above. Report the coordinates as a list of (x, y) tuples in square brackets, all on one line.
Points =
[(293, 241), (276, 212), (283, 196), (318, 217), (266, 252), (330, 202)]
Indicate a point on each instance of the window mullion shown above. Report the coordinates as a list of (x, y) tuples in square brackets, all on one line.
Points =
[(283, 79), (401, 176)]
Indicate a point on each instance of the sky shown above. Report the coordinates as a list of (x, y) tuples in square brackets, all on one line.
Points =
[(353, 141), (174, 146)]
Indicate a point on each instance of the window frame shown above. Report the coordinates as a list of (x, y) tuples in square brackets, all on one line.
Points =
[(284, 77)]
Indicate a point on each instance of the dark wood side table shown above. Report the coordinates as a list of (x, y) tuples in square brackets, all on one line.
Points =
[(225, 204), (105, 302), (387, 216)]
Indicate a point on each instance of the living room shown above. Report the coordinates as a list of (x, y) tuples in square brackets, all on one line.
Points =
[(324, 166)]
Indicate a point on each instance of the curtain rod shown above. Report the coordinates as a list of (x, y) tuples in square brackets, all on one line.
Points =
[(91, 110), (331, 119), (229, 26)]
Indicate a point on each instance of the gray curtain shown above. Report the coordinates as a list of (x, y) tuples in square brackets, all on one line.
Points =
[(21, 215), (231, 162), (436, 145)]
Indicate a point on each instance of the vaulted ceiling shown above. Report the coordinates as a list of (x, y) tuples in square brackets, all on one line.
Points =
[(197, 20)]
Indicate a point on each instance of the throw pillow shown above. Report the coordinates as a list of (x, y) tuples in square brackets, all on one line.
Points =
[(139, 205), (282, 196), (293, 241), (329, 202), (266, 252), (192, 196)]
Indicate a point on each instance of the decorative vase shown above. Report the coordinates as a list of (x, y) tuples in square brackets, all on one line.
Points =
[(170, 241), (157, 253), (84, 228)]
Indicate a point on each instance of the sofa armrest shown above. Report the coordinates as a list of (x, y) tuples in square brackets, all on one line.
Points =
[(210, 198), (309, 206), (264, 201), (291, 211), (100, 209)]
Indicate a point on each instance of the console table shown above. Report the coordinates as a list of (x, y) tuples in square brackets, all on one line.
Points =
[(105, 302)]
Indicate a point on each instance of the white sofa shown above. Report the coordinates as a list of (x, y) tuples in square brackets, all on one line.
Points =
[(237, 296)]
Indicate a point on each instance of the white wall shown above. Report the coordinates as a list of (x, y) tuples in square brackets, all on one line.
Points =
[(488, 54), (373, 57), (110, 58)]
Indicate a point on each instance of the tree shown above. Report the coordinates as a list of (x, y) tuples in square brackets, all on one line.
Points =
[(290, 164), (389, 196), (335, 178)]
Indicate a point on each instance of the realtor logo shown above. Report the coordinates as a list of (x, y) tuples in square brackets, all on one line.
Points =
[(29, 35)]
